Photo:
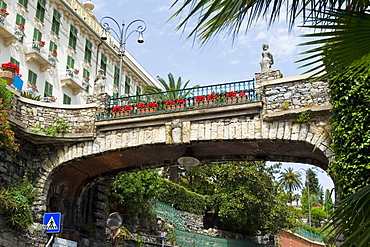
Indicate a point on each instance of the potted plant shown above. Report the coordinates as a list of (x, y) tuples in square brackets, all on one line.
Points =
[(231, 96), (153, 106), (8, 71), (170, 104), (76, 71), (127, 109), (117, 110), (199, 100), (141, 108), (41, 43), (212, 98), (3, 13), (181, 103), (52, 98), (242, 96)]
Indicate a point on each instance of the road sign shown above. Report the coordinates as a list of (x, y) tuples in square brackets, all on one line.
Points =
[(52, 222)]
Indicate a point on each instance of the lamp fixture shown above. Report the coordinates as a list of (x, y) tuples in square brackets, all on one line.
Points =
[(188, 159)]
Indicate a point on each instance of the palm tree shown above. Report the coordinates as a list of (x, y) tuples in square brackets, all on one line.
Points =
[(290, 180), (174, 89)]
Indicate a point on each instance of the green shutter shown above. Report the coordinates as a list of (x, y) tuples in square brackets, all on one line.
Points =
[(127, 85), (88, 51), (70, 63), (56, 22), (3, 5), (14, 61), (116, 76), (37, 35), (57, 15), (32, 77), (42, 3), (20, 20), (24, 3), (66, 99), (48, 89), (138, 90), (74, 31), (52, 46)]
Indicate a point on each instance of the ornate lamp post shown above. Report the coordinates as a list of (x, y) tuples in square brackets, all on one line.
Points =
[(122, 35)]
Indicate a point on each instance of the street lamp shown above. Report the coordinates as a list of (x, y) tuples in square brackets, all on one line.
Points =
[(122, 35)]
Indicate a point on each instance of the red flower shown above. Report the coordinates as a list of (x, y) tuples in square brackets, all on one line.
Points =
[(180, 102), (117, 108), (211, 96), (171, 102), (200, 98), (10, 66), (231, 94), (128, 108), (152, 104), (21, 25), (141, 106), (4, 10), (241, 94), (55, 51)]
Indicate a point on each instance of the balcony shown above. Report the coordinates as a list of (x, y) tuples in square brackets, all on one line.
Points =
[(72, 80), (9, 32), (36, 52)]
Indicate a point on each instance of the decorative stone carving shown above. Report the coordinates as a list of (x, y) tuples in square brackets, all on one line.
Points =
[(267, 59), (99, 82)]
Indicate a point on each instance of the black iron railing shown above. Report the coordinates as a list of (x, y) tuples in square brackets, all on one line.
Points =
[(179, 100)]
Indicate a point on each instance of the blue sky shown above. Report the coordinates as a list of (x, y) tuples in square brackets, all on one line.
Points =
[(165, 50)]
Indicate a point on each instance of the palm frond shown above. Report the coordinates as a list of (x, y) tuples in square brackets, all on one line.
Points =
[(344, 43)]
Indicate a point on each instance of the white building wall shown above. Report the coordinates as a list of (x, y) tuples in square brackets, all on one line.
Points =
[(72, 13)]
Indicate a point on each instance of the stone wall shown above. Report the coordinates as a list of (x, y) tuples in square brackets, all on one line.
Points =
[(293, 93), (30, 113)]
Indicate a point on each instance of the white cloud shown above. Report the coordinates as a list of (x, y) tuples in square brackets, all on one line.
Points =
[(234, 62)]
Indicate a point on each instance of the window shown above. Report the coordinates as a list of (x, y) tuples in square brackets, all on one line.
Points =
[(56, 22), (48, 89), (138, 90), (24, 3), (116, 76), (40, 10), (127, 85), (86, 73), (37, 35), (3, 5), (20, 20), (73, 37), (88, 51), (70, 63), (103, 63), (32, 77), (66, 99), (14, 61), (52, 46)]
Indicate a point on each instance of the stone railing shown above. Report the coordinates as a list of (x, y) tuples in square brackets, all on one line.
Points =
[(297, 92), (27, 114)]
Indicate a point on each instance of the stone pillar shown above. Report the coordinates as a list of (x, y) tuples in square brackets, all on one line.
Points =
[(266, 76), (102, 101)]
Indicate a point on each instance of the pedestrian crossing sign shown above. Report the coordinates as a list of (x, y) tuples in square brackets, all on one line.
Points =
[(52, 222)]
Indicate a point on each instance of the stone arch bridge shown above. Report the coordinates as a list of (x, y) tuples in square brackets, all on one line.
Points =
[(289, 122)]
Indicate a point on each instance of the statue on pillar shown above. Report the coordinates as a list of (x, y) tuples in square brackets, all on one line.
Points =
[(99, 82), (267, 59)]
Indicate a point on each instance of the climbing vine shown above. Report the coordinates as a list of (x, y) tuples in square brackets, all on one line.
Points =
[(350, 99)]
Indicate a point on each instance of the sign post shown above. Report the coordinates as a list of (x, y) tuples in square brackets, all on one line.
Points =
[(163, 236), (52, 223)]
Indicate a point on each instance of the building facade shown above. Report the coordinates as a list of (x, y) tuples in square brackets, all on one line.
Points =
[(58, 47)]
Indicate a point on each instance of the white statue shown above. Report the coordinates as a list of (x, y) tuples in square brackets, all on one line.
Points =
[(99, 82), (267, 59)]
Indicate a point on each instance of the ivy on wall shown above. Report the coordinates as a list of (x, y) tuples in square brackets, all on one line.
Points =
[(350, 99)]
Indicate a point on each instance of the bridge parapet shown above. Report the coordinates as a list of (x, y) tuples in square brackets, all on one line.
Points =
[(297, 92)]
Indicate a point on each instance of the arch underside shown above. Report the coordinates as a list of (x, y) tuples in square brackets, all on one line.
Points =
[(72, 174)]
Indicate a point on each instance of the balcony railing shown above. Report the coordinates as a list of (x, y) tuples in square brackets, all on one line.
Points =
[(180, 100), (37, 52), (70, 79), (9, 32)]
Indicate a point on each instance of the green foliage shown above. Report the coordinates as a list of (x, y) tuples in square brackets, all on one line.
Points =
[(303, 117), (7, 138), (244, 197), (290, 180), (29, 95), (318, 214), (139, 241), (15, 204), (181, 198), (59, 126), (352, 219)]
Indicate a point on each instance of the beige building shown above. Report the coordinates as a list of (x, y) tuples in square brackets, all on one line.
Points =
[(58, 47)]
